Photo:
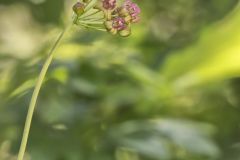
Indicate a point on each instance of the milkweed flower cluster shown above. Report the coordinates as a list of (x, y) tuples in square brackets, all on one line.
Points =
[(113, 16)]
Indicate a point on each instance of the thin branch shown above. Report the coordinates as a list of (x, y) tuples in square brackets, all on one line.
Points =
[(35, 94)]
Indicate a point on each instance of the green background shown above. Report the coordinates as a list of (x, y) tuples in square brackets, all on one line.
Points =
[(171, 91)]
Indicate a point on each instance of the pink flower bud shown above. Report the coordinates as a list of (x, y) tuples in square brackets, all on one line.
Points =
[(119, 23), (133, 10), (109, 4)]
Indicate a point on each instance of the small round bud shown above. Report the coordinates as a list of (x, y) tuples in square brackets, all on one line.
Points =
[(109, 4), (128, 19), (113, 31), (108, 25), (78, 8), (123, 11), (125, 33)]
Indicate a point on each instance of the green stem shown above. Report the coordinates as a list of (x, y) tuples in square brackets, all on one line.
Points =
[(92, 19), (35, 94), (91, 22), (92, 27), (90, 14)]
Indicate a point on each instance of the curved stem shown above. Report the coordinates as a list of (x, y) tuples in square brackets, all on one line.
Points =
[(35, 94)]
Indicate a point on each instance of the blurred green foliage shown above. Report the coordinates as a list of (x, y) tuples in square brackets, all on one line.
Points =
[(171, 91)]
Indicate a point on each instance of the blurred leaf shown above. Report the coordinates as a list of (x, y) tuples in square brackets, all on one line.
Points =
[(154, 138), (213, 57)]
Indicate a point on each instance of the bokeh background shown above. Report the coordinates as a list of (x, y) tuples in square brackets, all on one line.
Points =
[(171, 91)]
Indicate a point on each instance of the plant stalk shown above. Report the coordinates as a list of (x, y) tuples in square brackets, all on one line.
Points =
[(35, 94)]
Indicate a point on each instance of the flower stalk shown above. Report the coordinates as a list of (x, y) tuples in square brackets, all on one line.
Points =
[(35, 94)]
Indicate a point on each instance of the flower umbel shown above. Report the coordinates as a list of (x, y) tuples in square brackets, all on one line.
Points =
[(103, 15), (107, 15)]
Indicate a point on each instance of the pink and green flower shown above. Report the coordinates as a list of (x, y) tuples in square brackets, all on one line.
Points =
[(107, 15)]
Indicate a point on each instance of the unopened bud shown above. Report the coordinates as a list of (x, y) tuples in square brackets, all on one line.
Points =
[(123, 11), (128, 19), (78, 8), (108, 25), (125, 33)]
